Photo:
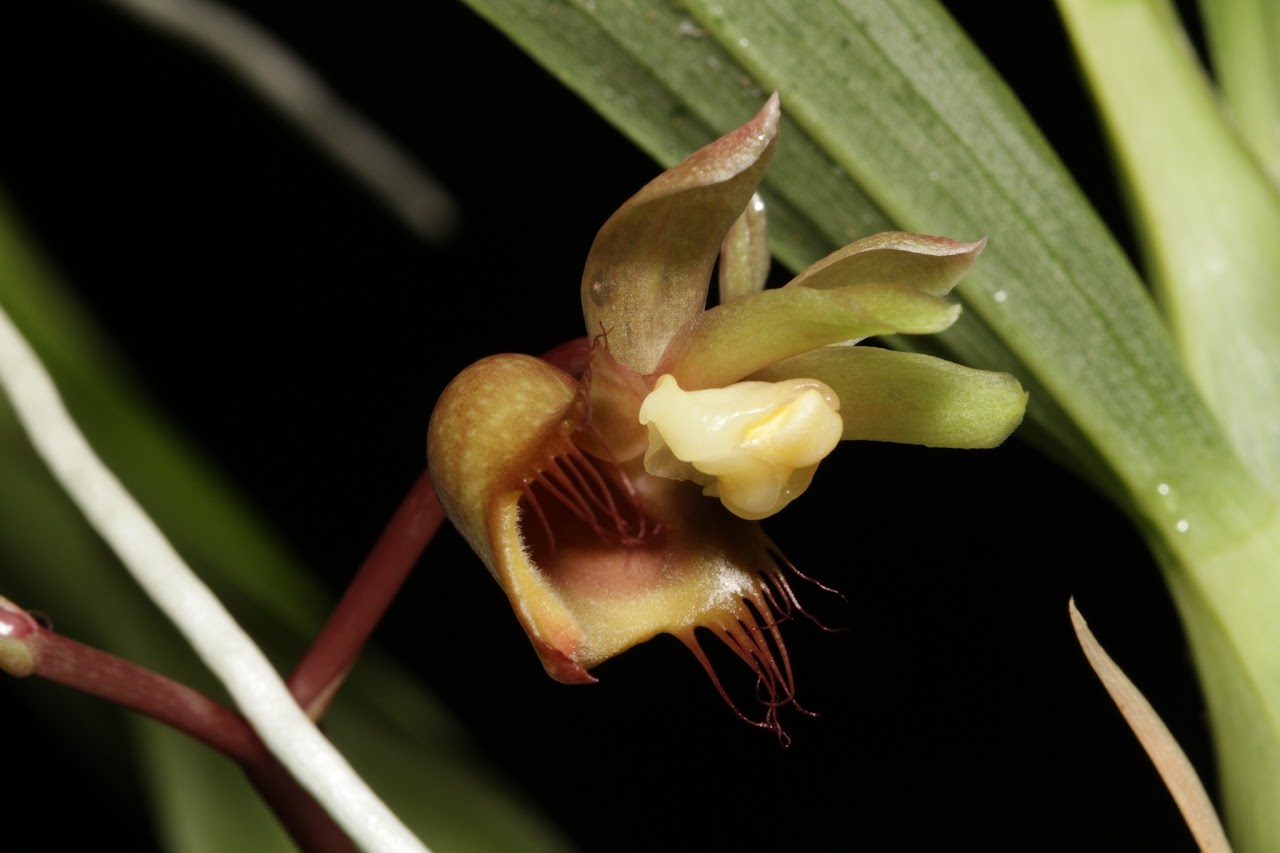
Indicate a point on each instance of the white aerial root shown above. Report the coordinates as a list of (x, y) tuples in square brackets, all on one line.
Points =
[(219, 641)]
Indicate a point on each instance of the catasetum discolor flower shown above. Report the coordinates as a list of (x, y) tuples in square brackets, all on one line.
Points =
[(613, 487)]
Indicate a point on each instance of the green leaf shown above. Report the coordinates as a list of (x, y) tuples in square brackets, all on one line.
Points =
[(1228, 603), (1207, 215), (1242, 37)]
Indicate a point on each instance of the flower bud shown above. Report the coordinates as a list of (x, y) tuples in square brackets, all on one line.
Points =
[(17, 628)]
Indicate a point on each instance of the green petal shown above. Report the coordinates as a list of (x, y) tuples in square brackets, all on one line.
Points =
[(648, 271), (932, 264), (744, 255), (911, 398), (735, 340)]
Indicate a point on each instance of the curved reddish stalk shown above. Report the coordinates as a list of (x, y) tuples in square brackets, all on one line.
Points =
[(89, 670), (324, 666), (128, 685)]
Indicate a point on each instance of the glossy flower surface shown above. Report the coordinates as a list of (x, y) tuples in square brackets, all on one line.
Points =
[(613, 488)]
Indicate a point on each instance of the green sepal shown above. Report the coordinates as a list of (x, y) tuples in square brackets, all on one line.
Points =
[(650, 266), (732, 341), (911, 398)]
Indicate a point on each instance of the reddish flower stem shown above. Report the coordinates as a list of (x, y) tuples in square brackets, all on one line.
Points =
[(322, 669), (128, 685), (106, 676)]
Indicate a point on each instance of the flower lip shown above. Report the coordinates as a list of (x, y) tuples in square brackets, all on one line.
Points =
[(754, 445)]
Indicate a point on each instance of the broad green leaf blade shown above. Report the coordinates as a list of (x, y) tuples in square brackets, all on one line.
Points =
[(1242, 37), (1228, 604), (890, 110), (1209, 230)]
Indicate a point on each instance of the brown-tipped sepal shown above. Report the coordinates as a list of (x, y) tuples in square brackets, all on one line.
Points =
[(650, 266), (499, 424), (933, 265)]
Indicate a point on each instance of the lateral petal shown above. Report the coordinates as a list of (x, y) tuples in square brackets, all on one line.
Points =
[(910, 398), (931, 264), (734, 340)]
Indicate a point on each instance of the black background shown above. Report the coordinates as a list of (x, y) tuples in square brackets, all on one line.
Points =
[(302, 336)]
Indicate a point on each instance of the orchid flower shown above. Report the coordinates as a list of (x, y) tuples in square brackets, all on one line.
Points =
[(614, 487)]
